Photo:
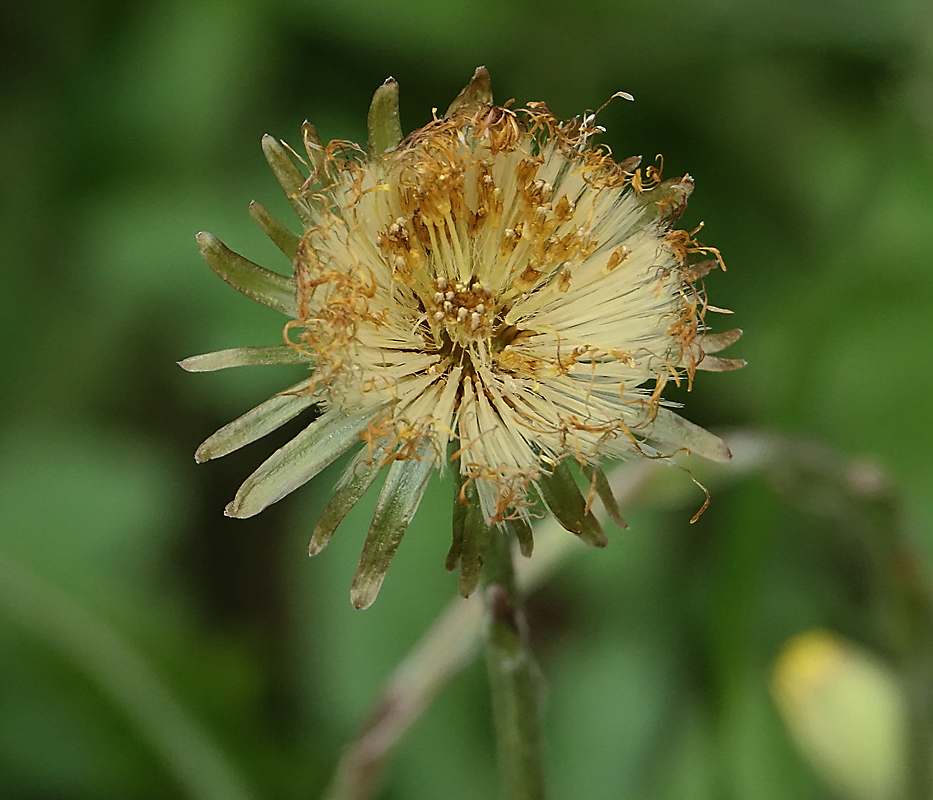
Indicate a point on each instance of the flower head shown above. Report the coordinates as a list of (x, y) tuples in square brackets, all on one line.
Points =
[(493, 291)]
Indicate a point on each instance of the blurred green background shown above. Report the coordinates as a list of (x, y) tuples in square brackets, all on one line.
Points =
[(127, 128)]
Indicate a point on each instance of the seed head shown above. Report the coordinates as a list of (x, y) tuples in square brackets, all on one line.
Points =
[(493, 291)]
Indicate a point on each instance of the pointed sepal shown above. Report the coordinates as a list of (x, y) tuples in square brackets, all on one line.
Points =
[(714, 342), (671, 429), (314, 146), (385, 129), (293, 465), (599, 484), (565, 501), (718, 364), (457, 520), (402, 492), (288, 175), (520, 529), (478, 92), (244, 357), (665, 202), (268, 416), (258, 283), (281, 236), (356, 479), (476, 535)]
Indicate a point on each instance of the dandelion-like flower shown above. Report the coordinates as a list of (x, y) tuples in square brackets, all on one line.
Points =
[(493, 291)]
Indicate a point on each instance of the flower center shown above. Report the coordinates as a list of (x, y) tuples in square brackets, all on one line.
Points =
[(465, 309)]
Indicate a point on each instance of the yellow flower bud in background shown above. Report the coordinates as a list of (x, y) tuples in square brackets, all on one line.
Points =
[(846, 712)]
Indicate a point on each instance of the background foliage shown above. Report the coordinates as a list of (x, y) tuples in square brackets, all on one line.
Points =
[(126, 128)]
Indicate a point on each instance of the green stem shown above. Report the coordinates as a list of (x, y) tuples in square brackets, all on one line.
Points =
[(513, 678)]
